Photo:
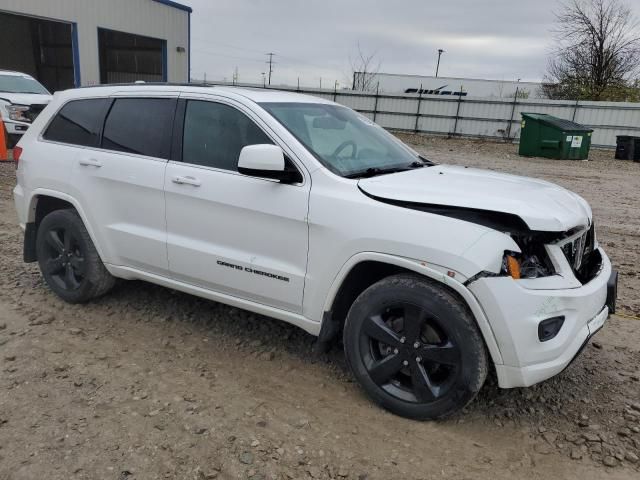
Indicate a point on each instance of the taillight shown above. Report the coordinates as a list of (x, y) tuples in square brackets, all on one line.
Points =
[(17, 151)]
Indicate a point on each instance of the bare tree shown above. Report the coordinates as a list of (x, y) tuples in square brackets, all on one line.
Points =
[(364, 69), (598, 51)]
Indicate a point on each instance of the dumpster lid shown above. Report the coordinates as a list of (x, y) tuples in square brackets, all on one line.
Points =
[(560, 123)]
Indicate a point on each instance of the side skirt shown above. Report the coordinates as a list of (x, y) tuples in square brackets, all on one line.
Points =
[(300, 321)]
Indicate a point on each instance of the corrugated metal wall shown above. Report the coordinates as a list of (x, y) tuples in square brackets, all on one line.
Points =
[(142, 17), (483, 117)]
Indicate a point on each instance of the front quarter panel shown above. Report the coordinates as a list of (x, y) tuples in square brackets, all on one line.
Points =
[(344, 222)]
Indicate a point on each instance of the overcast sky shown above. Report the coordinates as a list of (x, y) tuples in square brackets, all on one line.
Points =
[(495, 39)]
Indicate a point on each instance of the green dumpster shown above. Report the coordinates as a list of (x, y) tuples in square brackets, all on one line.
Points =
[(543, 135)]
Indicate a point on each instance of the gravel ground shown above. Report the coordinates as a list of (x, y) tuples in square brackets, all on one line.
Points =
[(149, 383)]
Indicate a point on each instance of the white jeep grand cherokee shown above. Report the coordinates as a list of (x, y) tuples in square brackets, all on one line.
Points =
[(304, 210)]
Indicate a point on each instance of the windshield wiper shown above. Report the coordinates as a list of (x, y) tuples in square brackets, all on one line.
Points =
[(426, 161), (374, 171)]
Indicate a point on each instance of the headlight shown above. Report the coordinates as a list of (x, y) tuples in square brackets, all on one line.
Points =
[(532, 262), (16, 112), (518, 265)]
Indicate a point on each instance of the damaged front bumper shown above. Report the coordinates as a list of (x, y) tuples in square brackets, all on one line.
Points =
[(515, 310)]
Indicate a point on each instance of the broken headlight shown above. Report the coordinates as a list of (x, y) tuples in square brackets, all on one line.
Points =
[(531, 262)]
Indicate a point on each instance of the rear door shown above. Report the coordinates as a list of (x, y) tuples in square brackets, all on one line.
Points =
[(121, 183), (242, 236)]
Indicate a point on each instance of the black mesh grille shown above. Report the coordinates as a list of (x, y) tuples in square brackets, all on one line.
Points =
[(583, 256)]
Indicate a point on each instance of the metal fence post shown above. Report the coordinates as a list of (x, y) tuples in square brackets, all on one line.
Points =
[(375, 103), (575, 110), (513, 111), (455, 125), (415, 128)]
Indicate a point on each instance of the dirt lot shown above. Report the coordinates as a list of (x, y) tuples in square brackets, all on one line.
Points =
[(149, 383)]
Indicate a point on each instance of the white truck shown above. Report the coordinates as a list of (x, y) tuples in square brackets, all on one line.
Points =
[(304, 210), (22, 98)]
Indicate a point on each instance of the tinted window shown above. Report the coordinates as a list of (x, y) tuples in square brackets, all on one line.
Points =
[(140, 125), (215, 133), (78, 122)]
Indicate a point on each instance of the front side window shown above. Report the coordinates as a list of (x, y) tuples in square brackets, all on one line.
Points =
[(140, 125), (78, 122), (215, 133), (344, 141)]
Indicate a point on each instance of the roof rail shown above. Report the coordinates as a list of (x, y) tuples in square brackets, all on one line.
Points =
[(150, 84)]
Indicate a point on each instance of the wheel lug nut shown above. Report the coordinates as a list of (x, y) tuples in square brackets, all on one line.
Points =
[(416, 345), (418, 359), (405, 363), (402, 340), (395, 351)]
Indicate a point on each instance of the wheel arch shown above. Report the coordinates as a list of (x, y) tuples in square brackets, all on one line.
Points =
[(43, 202), (365, 269)]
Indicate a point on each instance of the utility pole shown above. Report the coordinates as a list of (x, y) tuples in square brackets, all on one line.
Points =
[(440, 52), (270, 62)]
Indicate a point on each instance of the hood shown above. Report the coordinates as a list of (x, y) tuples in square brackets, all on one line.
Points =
[(26, 98), (543, 206)]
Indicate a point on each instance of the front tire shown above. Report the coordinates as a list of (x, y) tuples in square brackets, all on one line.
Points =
[(68, 260), (415, 348)]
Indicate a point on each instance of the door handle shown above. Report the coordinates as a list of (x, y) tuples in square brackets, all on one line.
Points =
[(90, 162), (188, 180)]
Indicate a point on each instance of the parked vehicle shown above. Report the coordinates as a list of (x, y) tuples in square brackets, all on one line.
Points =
[(22, 98), (304, 210)]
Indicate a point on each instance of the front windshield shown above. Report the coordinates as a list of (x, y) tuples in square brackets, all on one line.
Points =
[(345, 141), (20, 84)]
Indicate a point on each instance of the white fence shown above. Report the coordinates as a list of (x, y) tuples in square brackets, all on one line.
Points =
[(482, 117)]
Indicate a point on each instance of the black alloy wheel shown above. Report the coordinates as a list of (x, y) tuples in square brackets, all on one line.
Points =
[(408, 353), (414, 347), (64, 262), (68, 260)]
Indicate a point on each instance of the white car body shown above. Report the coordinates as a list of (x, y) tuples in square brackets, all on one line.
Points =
[(205, 235), (16, 124)]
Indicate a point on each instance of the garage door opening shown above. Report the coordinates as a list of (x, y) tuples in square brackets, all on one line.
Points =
[(125, 57), (40, 48)]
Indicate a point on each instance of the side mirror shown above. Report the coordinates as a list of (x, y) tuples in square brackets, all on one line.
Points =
[(264, 161)]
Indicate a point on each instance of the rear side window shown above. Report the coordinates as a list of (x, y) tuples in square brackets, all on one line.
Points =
[(78, 122), (140, 125), (215, 133)]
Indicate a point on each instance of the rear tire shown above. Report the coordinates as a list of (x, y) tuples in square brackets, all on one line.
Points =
[(68, 260), (415, 348)]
